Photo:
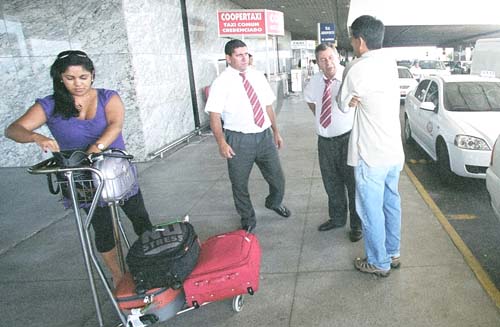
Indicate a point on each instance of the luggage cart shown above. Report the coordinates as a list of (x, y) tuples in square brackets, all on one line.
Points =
[(87, 192)]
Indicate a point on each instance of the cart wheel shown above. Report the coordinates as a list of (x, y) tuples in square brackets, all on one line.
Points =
[(237, 303)]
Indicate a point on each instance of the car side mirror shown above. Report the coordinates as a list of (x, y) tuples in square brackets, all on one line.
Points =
[(428, 106)]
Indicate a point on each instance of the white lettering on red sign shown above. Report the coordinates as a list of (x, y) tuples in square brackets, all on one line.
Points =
[(241, 16)]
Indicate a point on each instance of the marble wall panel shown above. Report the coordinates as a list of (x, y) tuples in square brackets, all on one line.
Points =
[(160, 71), (23, 79), (35, 28), (96, 26), (154, 26), (164, 97), (5, 48)]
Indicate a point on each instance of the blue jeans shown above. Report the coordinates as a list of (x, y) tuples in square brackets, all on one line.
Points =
[(379, 206)]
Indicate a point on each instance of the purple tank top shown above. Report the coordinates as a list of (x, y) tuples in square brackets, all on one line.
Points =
[(74, 133)]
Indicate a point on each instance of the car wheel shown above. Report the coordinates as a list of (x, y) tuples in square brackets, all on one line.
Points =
[(407, 131), (443, 160)]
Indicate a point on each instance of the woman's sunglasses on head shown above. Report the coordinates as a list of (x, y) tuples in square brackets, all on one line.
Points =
[(77, 53)]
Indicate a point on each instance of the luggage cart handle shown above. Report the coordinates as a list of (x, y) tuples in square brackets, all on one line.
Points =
[(45, 167), (50, 166)]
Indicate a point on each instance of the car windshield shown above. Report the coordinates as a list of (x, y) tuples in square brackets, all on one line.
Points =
[(472, 96), (431, 64), (404, 73)]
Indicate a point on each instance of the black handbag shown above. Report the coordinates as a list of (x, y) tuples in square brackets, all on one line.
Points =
[(83, 178)]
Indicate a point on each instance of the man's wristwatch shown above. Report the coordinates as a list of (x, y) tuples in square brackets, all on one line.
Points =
[(100, 146)]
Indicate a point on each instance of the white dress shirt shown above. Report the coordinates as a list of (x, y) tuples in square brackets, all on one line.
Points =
[(376, 133), (229, 98), (313, 93)]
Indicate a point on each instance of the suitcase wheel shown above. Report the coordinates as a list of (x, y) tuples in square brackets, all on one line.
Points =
[(250, 291), (149, 319), (238, 303)]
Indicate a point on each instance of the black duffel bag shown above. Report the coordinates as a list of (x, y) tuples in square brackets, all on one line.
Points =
[(163, 256)]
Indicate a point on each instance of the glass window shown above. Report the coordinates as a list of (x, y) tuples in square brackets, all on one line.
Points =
[(431, 64), (404, 73), (433, 94), (420, 91), (472, 96)]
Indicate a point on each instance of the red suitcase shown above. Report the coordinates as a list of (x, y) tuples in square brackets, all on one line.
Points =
[(228, 266), (157, 304)]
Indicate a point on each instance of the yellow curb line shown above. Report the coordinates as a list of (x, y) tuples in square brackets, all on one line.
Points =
[(473, 263)]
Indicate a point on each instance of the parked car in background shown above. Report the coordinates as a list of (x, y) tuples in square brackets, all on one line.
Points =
[(456, 120), (405, 63), (406, 81), (426, 68), (493, 178), (486, 58), (460, 67)]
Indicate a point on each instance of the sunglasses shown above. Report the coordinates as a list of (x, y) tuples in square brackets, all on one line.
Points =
[(68, 53)]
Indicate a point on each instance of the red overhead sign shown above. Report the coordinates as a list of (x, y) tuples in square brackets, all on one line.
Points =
[(250, 22)]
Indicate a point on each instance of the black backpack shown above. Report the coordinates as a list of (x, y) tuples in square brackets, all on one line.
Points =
[(163, 256)]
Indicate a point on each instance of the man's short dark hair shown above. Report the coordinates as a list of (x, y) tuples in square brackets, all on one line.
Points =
[(370, 29), (233, 44)]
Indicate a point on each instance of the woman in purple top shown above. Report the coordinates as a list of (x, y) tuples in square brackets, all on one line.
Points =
[(82, 117)]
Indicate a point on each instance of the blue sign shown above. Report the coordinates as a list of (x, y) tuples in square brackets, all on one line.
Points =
[(326, 32)]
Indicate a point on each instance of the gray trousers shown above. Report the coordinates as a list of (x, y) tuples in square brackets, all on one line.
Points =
[(338, 179), (253, 148)]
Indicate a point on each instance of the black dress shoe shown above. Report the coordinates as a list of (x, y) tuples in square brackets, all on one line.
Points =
[(281, 210), (329, 224), (248, 228), (355, 235)]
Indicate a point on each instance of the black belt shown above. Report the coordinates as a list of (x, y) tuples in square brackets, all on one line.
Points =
[(336, 137)]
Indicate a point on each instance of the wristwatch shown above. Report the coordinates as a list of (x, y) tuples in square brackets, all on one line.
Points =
[(100, 146)]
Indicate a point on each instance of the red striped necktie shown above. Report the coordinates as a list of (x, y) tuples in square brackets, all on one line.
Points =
[(258, 113), (325, 117)]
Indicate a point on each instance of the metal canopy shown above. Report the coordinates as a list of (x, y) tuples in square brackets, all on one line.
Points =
[(301, 18)]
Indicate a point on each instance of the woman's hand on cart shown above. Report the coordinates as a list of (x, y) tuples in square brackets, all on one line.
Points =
[(46, 143)]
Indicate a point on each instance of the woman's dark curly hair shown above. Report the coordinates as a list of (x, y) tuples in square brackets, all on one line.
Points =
[(64, 101)]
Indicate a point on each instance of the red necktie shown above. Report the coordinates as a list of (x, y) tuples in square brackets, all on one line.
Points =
[(326, 107), (258, 113)]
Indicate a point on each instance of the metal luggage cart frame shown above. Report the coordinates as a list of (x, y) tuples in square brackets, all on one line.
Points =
[(90, 195), (84, 191)]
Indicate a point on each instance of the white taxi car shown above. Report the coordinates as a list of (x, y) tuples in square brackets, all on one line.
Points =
[(456, 120), (493, 178), (425, 68), (406, 81)]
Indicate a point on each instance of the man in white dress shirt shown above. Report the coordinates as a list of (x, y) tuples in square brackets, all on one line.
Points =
[(241, 100), (370, 89), (333, 128)]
